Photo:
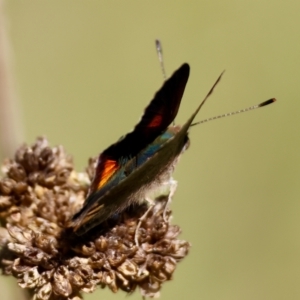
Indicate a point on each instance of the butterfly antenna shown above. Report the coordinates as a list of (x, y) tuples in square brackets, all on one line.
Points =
[(159, 51), (270, 101)]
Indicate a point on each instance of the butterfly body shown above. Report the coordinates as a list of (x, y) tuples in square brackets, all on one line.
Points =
[(117, 194)]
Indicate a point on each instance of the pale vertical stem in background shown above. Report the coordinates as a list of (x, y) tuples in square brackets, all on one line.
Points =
[(10, 124), (10, 130)]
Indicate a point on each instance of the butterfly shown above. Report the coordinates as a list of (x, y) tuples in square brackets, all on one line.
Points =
[(141, 160)]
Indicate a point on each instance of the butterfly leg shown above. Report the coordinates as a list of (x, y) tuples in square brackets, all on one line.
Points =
[(142, 218), (173, 186)]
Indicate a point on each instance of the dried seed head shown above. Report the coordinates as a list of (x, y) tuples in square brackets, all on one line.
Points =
[(39, 194)]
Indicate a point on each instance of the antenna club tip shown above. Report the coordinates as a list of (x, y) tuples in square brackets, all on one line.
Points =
[(270, 101), (157, 43)]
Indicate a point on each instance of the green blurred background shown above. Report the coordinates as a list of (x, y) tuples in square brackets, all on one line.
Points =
[(84, 72)]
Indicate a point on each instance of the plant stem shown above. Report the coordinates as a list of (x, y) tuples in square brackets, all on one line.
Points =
[(10, 129)]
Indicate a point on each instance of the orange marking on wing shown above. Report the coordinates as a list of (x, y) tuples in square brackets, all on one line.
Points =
[(109, 168), (156, 121)]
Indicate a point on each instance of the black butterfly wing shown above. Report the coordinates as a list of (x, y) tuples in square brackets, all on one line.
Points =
[(158, 115)]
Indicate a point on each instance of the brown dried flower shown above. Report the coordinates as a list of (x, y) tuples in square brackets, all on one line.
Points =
[(39, 193)]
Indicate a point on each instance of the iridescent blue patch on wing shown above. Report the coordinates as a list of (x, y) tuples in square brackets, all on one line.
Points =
[(151, 149)]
